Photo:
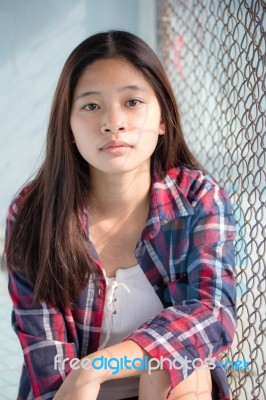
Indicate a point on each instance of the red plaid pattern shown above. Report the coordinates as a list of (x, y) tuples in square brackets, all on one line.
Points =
[(186, 251)]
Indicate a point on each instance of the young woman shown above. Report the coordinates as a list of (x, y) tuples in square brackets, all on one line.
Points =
[(121, 248)]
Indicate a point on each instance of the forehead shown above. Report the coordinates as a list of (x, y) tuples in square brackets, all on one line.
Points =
[(113, 71)]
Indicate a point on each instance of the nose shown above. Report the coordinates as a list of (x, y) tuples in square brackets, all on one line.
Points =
[(113, 121)]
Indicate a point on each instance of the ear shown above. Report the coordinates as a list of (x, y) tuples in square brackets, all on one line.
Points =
[(161, 127)]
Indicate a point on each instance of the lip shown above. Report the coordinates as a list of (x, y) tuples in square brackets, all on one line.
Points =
[(114, 144)]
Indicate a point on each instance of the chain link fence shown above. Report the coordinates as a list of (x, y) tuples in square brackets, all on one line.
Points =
[(214, 53)]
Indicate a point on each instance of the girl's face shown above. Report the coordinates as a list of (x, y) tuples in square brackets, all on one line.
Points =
[(115, 117)]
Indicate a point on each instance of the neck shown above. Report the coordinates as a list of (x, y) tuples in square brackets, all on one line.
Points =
[(118, 195)]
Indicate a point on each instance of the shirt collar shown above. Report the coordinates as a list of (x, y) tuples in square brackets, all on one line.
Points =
[(168, 202)]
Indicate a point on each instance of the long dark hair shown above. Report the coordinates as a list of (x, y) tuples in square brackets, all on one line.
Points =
[(47, 239)]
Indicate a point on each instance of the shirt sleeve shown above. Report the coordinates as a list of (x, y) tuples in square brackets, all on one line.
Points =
[(203, 324), (42, 333)]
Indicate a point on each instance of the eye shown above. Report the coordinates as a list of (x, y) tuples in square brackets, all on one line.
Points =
[(90, 107), (133, 102)]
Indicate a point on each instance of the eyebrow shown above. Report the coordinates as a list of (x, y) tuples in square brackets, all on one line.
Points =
[(122, 89)]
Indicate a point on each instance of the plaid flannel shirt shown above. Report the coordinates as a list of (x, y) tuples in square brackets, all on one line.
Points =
[(186, 251)]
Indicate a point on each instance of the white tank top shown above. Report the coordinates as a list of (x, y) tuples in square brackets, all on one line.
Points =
[(130, 301)]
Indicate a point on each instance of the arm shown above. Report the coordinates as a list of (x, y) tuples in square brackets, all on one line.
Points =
[(202, 325), (82, 382)]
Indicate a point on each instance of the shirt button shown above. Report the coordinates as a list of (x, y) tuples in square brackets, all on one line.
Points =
[(114, 312)]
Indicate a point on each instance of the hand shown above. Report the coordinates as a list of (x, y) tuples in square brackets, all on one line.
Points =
[(80, 384)]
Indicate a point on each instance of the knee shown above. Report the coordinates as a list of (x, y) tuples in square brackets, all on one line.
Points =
[(197, 386)]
